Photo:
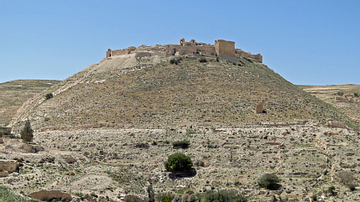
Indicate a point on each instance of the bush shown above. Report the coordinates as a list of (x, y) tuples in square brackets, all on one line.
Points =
[(331, 190), (175, 60), (268, 181), (202, 60), (340, 93), (165, 198), (49, 95), (27, 133), (178, 162), (356, 94), (224, 196), (181, 144)]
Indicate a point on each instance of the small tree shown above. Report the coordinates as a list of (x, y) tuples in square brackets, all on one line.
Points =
[(49, 95), (178, 162), (27, 133), (269, 181)]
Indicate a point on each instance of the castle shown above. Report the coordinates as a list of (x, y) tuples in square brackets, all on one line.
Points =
[(221, 48)]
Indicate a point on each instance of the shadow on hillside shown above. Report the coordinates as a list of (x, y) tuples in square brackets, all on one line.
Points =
[(189, 173)]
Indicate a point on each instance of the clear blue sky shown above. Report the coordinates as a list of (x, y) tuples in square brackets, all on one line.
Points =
[(305, 41)]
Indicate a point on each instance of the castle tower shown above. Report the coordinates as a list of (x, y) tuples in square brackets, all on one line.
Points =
[(224, 48)]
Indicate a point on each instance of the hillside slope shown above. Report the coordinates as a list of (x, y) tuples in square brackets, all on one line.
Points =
[(14, 93), (150, 92), (343, 97)]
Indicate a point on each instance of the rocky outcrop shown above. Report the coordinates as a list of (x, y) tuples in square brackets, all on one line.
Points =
[(45, 195), (32, 149), (9, 166)]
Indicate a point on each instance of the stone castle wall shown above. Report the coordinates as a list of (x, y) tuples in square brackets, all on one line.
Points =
[(244, 54), (221, 48)]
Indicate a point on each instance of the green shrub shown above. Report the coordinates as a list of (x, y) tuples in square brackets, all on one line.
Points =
[(340, 93), (181, 144), (331, 190), (178, 162), (224, 196), (268, 181), (154, 143), (49, 95), (175, 60), (356, 94), (202, 60), (27, 133), (165, 198)]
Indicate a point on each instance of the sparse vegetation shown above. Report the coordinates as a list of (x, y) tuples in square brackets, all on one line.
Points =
[(202, 60), (178, 162), (7, 195), (224, 196), (27, 133), (268, 181), (166, 198)]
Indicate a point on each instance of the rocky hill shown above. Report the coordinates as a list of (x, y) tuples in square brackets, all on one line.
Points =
[(148, 92), (14, 93), (109, 129)]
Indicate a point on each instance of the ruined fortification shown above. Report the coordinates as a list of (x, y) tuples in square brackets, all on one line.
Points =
[(221, 48)]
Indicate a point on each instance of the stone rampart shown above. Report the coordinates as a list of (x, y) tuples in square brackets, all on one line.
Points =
[(111, 53), (222, 48), (244, 54)]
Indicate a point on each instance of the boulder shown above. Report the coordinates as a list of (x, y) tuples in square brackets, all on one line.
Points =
[(89, 198), (45, 195), (32, 149), (9, 166)]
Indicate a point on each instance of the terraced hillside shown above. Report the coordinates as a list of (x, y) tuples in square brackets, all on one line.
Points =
[(150, 92), (14, 93)]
